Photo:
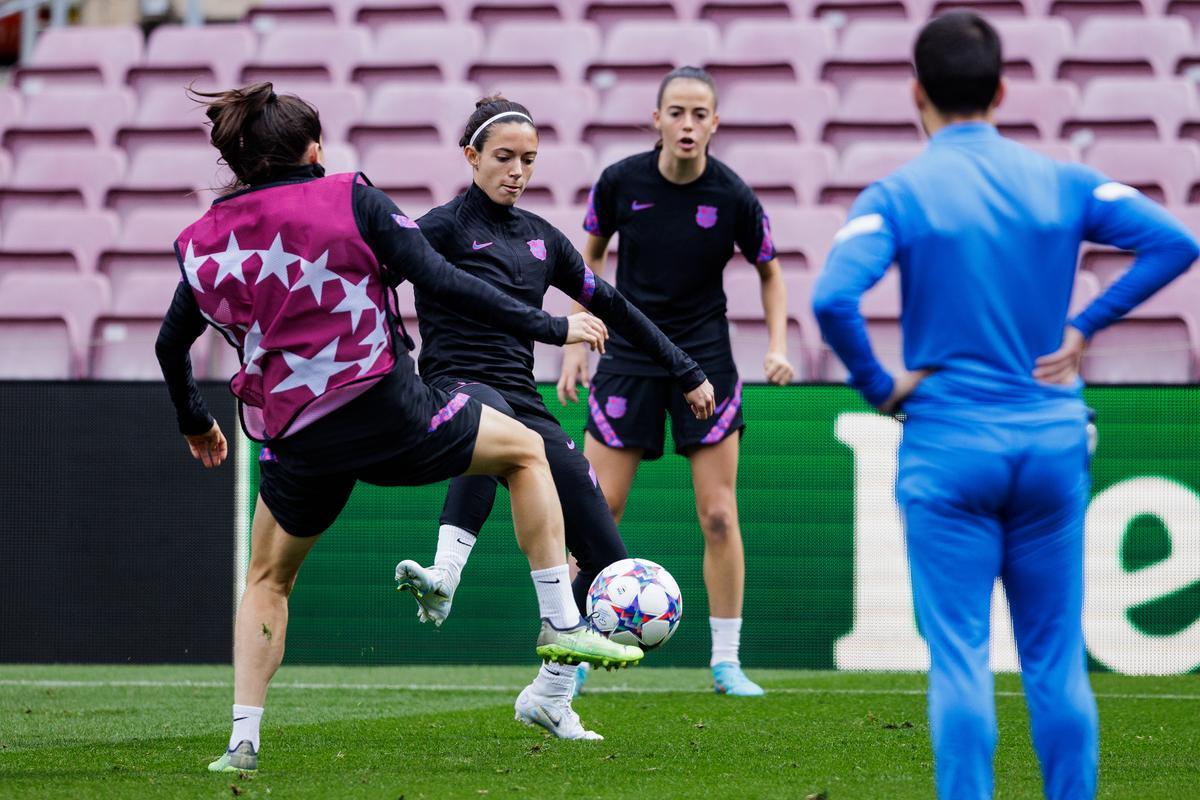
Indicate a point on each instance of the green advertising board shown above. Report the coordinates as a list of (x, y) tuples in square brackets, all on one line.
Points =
[(826, 581)]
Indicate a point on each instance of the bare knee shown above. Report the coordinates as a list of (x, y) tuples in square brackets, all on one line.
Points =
[(719, 522), (528, 451), (271, 578)]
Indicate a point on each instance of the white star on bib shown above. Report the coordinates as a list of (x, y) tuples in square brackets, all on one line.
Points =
[(230, 261), (313, 373), (275, 261), (355, 301), (191, 267), (252, 351), (315, 275)]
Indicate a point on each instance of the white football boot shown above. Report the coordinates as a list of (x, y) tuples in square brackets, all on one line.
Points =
[(552, 713), (430, 588)]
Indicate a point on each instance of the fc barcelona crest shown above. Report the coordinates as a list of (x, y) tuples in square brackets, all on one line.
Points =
[(538, 248), (614, 406), (706, 216)]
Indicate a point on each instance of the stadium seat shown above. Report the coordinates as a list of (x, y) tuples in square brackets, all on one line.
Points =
[(649, 50), (1164, 172), (612, 153), (1125, 47), (544, 51), (415, 114), (625, 116), (341, 158), (726, 13), (1125, 108), (146, 244), (862, 164), (69, 240), (417, 177), (868, 10), (563, 173), (776, 113), (166, 115), (425, 52), (1036, 110), (43, 307), (560, 110), (569, 221), (169, 176), (872, 110), (781, 174), (81, 56), (59, 177), (880, 306), (1079, 12), (122, 342), (1157, 342), (70, 116), (748, 333), (10, 108), (5, 167), (411, 12), (610, 14), (803, 236), (1033, 47), (268, 15), (340, 107), (212, 56), (872, 50), (757, 50), (310, 54)]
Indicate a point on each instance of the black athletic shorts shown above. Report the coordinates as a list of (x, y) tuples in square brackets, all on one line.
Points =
[(631, 410), (306, 504)]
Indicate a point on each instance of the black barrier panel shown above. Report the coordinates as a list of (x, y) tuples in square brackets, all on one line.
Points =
[(116, 544)]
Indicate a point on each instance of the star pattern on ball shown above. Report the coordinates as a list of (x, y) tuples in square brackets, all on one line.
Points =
[(229, 262), (312, 373)]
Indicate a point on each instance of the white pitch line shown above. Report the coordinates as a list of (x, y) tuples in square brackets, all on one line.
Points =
[(490, 689)]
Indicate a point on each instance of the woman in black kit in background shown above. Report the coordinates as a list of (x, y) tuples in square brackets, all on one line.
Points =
[(481, 232)]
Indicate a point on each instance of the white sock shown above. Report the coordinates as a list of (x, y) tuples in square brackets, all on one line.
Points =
[(246, 720), (453, 550), (554, 680), (555, 601), (726, 636)]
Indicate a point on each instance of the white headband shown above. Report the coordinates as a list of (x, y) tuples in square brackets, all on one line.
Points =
[(479, 130)]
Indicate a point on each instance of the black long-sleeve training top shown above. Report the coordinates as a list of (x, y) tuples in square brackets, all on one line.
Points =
[(403, 253), (523, 255)]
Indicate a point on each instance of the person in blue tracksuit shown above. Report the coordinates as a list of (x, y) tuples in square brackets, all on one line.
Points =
[(993, 466)]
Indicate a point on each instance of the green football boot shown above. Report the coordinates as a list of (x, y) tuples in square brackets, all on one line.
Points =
[(240, 759), (582, 644)]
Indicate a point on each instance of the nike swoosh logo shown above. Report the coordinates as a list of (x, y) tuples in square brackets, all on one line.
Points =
[(556, 720), (556, 580), (239, 719), (460, 541), (571, 445), (641, 206), (477, 246)]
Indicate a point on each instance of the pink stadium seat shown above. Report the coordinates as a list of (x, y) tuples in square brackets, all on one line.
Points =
[(625, 116), (803, 236), (67, 240), (1125, 47), (417, 114), (169, 176), (165, 116), (862, 164), (51, 302), (781, 174), (59, 177), (729, 12), (873, 110), (776, 113), (10, 108), (881, 308), (313, 54), (1125, 108), (1157, 342), (609, 14), (648, 50), (417, 177), (1033, 47), (547, 359), (5, 167), (146, 244), (340, 107), (122, 345), (560, 110), (748, 328), (493, 12), (272, 14), (212, 56), (70, 116), (562, 174), (770, 49), (569, 221), (1079, 12), (1035, 110), (871, 10), (612, 153), (872, 50), (1164, 172), (546, 51), (35, 349), (427, 52), (341, 158), (82, 56), (410, 12), (1059, 151)]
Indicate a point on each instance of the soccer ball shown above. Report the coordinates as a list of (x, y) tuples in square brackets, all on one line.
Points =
[(635, 601)]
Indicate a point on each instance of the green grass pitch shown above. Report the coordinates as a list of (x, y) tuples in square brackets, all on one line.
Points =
[(448, 732)]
